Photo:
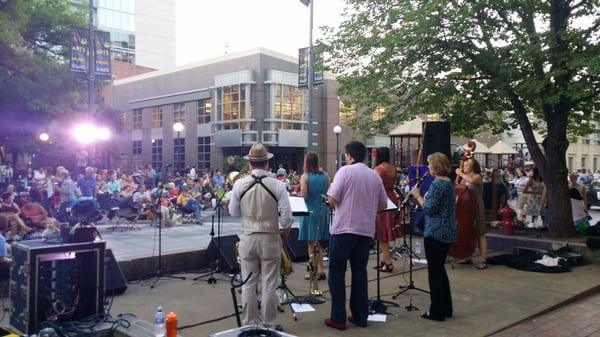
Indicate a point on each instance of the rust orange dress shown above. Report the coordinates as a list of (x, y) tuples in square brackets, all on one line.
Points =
[(385, 220)]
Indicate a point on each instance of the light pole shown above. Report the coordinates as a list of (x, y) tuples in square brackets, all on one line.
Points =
[(337, 130), (311, 59), (178, 127)]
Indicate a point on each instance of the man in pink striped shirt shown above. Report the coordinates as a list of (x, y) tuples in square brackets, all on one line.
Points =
[(357, 193)]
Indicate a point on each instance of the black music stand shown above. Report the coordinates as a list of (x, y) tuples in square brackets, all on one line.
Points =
[(378, 305), (159, 272), (410, 255)]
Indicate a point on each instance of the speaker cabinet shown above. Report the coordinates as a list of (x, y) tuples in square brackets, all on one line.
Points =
[(115, 283), (223, 250), (436, 138), (296, 249)]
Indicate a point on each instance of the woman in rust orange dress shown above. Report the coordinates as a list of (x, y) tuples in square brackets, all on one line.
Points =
[(385, 220)]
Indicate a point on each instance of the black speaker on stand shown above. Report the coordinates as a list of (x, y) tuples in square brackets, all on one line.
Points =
[(224, 252), (436, 138), (296, 249)]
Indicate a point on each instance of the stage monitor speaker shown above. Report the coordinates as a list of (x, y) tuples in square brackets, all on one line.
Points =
[(436, 138), (296, 249), (223, 249), (115, 283)]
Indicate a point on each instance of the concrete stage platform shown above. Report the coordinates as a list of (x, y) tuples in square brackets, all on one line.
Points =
[(485, 301)]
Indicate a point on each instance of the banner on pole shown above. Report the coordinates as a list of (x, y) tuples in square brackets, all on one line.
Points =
[(318, 67), (103, 68), (79, 50)]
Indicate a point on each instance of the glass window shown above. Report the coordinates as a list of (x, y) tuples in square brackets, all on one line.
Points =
[(232, 106), (571, 164), (179, 153), (347, 113), (204, 152), (137, 147), (157, 153), (137, 119), (179, 113), (157, 117), (204, 111), (288, 104), (583, 161)]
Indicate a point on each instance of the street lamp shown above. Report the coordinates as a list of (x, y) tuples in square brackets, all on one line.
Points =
[(178, 127), (337, 130), (44, 137)]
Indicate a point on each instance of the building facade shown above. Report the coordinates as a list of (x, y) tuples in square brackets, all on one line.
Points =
[(225, 105), (142, 32)]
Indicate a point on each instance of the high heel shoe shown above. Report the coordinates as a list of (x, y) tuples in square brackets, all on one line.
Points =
[(387, 268)]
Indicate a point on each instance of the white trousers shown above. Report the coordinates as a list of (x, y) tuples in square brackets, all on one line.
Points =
[(260, 254)]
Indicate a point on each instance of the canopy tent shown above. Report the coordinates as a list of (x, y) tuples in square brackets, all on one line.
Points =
[(519, 139), (501, 148), (410, 128), (405, 142), (479, 147)]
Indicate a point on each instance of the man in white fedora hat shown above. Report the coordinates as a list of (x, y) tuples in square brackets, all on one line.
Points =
[(263, 204)]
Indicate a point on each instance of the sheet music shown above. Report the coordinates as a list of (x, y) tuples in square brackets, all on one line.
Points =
[(390, 205), (298, 205)]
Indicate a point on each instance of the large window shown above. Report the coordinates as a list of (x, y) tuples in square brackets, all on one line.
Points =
[(157, 151), (157, 117), (584, 162), (204, 152), (137, 147), (204, 111), (179, 113), (137, 119), (347, 113), (179, 153), (232, 108), (288, 107)]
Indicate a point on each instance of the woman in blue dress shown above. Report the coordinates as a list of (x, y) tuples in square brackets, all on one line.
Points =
[(314, 227)]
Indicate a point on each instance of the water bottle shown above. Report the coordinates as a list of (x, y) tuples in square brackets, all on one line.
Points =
[(418, 246), (159, 323)]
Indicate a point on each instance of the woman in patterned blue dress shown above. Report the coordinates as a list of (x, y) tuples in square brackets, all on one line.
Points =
[(314, 227), (440, 231)]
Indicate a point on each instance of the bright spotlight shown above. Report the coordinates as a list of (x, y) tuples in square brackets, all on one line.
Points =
[(103, 133), (44, 137), (84, 133)]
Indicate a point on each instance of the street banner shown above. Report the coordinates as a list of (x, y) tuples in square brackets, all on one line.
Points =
[(318, 67), (103, 68), (79, 50)]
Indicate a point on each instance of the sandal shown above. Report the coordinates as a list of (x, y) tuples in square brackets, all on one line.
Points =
[(482, 265), (464, 261), (387, 268), (380, 265)]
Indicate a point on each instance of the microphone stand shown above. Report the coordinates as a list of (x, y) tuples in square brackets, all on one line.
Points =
[(214, 265), (159, 271)]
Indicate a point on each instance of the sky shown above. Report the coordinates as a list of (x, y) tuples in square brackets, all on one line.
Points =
[(209, 28)]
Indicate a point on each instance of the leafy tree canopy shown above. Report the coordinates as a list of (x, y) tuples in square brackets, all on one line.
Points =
[(488, 64)]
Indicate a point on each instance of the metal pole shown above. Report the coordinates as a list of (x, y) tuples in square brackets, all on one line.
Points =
[(91, 63), (337, 151), (310, 82), (179, 151)]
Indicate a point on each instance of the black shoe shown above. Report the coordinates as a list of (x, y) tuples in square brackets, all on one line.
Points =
[(429, 316), (353, 321)]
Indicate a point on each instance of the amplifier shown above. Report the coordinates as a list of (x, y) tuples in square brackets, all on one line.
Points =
[(55, 281)]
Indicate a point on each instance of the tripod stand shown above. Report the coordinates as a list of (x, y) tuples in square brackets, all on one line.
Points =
[(214, 265), (410, 255), (159, 271), (378, 305)]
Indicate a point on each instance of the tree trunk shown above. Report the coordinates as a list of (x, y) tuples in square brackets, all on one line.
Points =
[(555, 173)]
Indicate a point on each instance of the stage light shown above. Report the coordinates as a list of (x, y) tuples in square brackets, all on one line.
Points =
[(84, 133), (103, 133), (44, 137)]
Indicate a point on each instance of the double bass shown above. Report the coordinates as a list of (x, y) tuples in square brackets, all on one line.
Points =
[(466, 211)]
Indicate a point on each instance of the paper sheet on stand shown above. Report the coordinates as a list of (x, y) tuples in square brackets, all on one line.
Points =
[(298, 205), (377, 318), (302, 307)]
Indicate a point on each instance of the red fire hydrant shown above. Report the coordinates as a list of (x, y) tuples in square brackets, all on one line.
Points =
[(508, 222)]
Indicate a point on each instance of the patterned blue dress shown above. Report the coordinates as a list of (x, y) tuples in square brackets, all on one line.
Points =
[(319, 213)]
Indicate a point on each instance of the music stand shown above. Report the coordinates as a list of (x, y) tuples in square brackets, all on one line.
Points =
[(378, 305), (410, 255)]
